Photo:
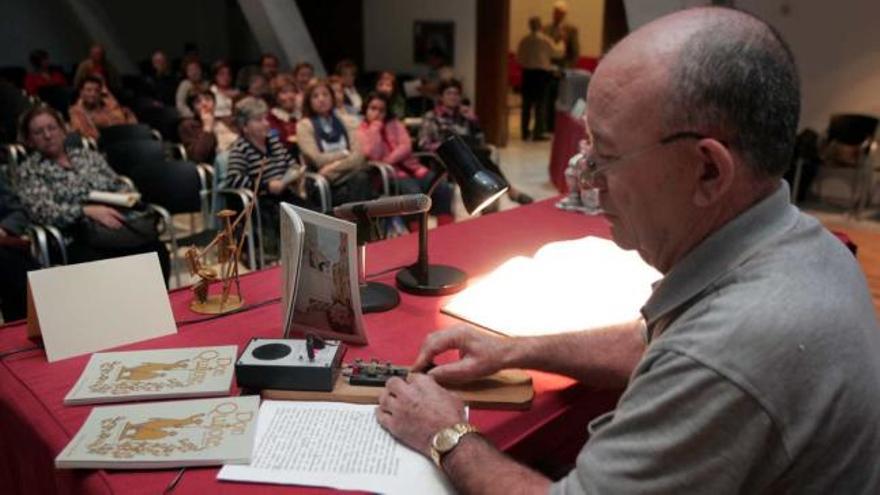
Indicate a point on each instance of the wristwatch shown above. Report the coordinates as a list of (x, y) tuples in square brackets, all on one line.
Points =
[(447, 439)]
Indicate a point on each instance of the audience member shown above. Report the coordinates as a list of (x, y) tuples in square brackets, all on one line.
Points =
[(534, 54), (191, 84), (258, 87), (285, 114), (205, 134), (269, 66), (54, 185), (161, 79), (15, 259), (450, 117), (753, 367), (328, 143), (255, 152), (386, 84), (383, 138), (347, 70), (97, 65), (342, 107), (41, 74), (439, 71), (96, 108), (303, 73), (225, 94)]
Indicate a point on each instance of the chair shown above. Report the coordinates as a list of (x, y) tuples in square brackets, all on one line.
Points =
[(57, 97), (164, 119), (846, 150), (126, 132), (123, 156)]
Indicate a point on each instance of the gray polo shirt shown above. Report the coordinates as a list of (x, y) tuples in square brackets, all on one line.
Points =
[(761, 375)]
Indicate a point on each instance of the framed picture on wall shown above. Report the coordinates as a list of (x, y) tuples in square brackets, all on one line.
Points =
[(432, 38)]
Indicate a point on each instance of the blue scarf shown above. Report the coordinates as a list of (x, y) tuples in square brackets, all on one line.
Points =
[(333, 136)]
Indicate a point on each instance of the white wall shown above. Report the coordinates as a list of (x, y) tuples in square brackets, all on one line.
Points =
[(586, 15), (388, 35), (836, 46)]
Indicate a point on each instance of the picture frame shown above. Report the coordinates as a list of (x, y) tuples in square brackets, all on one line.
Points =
[(321, 293), (434, 37)]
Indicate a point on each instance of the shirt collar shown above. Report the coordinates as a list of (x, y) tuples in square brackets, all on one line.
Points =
[(722, 251)]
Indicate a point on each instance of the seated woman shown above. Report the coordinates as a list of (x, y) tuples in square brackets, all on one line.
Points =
[(204, 135), (347, 71), (192, 83), (54, 185), (96, 109), (256, 149), (42, 75), (15, 260), (225, 94), (386, 84), (284, 115), (343, 108), (385, 139), (449, 117), (328, 143)]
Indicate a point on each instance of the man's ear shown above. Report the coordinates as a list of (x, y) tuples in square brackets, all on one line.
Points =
[(716, 171)]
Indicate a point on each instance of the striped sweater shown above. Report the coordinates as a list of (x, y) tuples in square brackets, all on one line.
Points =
[(245, 159)]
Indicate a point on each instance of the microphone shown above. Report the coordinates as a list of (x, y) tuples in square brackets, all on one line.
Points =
[(407, 204)]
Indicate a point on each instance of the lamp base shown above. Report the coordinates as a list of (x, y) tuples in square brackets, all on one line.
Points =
[(441, 280), (377, 297)]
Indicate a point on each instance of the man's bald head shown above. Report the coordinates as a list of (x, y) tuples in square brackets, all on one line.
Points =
[(723, 73)]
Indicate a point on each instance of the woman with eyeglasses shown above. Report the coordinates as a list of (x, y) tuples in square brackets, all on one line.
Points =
[(54, 185)]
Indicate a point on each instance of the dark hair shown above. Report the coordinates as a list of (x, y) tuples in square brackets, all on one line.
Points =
[(194, 95), (375, 95), (91, 78), (343, 64), (738, 80), (307, 98), (24, 122), (37, 57), (449, 83), (218, 66), (302, 65), (266, 56)]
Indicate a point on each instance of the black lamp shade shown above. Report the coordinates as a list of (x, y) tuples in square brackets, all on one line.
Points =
[(479, 187)]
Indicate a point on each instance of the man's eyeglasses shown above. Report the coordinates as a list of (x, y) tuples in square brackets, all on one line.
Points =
[(595, 165)]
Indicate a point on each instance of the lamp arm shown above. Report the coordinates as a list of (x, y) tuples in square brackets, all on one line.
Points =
[(436, 181)]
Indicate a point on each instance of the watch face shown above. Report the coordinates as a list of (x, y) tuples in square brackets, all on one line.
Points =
[(446, 439)]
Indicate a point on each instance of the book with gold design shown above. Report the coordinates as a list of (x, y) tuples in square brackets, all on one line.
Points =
[(156, 374), (202, 432)]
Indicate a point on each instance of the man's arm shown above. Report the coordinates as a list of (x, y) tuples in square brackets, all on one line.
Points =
[(466, 467), (603, 357)]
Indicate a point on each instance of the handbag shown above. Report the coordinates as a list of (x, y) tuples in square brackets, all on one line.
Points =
[(139, 226)]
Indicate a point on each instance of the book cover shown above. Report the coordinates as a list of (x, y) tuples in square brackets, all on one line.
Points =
[(155, 374), (201, 432)]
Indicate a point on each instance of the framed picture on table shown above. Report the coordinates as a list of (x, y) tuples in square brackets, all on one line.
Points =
[(321, 295)]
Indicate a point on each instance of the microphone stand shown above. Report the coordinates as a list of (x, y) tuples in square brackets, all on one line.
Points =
[(375, 296), (423, 278)]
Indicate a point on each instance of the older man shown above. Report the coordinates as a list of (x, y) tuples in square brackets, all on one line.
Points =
[(755, 368)]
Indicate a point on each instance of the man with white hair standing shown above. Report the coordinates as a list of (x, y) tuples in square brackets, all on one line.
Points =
[(754, 367)]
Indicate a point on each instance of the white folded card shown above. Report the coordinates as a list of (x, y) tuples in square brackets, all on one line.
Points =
[(94, 306), (127, 200)]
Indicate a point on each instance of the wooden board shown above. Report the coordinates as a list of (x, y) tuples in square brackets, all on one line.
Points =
[(508, 389)]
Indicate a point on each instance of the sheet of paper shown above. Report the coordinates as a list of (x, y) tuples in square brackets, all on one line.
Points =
[(566, 286), (94, 306), (333, 445)]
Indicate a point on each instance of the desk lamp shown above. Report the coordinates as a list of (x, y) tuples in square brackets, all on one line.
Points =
[(479, 189)]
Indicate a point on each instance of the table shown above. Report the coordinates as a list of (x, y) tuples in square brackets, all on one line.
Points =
[(35, 425)]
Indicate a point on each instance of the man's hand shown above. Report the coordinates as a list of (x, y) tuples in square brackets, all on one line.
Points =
[(480, 353), (105, 215), (415, 409), (207, 119)]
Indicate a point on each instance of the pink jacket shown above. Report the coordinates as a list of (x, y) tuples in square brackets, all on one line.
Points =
[(390, 143)]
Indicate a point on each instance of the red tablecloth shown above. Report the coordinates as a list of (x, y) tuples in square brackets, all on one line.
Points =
[(35, 425), (567, 133)]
